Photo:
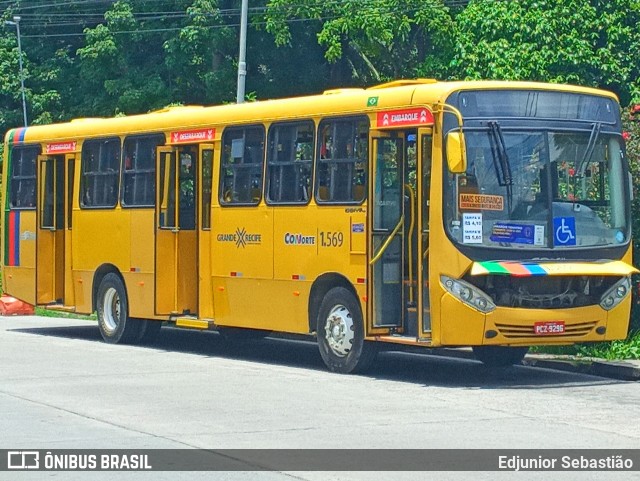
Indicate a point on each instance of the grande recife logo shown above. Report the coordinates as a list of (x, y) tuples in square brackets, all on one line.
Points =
[(241, 238)]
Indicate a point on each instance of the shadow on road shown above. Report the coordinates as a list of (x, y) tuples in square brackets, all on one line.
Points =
[(391, 364)]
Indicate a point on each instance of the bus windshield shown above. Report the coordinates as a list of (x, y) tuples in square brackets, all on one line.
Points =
[(539, 189)]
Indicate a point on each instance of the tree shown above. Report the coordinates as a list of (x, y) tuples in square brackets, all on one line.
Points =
[(585, 42), (631, 126), (121, 65), (201, 57), (368, 41), (41, 99)]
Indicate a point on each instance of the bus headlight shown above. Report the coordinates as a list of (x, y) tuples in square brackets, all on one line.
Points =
[(616, 294), (470, 295)]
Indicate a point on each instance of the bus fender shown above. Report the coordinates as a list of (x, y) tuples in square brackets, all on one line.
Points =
[(319, 289)]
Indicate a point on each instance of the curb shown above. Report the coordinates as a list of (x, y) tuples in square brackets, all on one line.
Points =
[(617, 370), (622, 370)]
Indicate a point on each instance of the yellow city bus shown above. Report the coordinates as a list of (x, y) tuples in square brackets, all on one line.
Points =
[(489, 214)]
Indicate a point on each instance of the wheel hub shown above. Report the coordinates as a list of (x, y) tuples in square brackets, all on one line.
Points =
[(111, 309), (339, 330)]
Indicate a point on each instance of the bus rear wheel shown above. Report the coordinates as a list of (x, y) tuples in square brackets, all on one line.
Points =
[(499, 356), (340, 332), (113, 312)]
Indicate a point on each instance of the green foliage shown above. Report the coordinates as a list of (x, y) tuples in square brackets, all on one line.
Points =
[(201, 56), (119, 67), (41, 311), (10, 98), (377, 39), (583, 42), (631, 126), (625, 349), (628, 348), (41, 102), (126, 57)]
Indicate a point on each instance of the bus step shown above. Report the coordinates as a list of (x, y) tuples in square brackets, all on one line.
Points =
[(192, 322), (59, 307), (403, 339)]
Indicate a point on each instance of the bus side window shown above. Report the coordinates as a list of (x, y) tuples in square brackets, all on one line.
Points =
[(139, 176), (241, 166), (100, 172), (22, 193), (342, 160), (289, 162)]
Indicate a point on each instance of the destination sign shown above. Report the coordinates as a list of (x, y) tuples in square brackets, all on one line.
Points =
[(405, 117), (191, 136), (61, 147)]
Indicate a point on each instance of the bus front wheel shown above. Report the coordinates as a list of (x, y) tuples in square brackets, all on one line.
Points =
[(340, 333), (112, 308), (499, 356)]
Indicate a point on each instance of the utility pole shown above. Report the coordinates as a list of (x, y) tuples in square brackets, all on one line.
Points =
[(16, 23), (242, 64)]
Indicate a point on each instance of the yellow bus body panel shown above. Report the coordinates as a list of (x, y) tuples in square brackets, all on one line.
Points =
[(243, 242), (139, 277), (20, 280), (100, 236)]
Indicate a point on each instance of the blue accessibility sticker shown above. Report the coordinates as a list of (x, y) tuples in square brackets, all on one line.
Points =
[(564, 231)]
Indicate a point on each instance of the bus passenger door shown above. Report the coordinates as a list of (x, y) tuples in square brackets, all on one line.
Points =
[(424, 152), (69, 294), (387, 258), (205, 299), (50, 236), (176, 276)]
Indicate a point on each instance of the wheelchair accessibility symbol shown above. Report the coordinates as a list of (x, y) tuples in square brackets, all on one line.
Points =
[(564, 229)]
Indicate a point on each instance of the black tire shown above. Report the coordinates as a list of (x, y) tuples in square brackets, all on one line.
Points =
[(149, 330), (340, 332), (240, 334), (499, 356), (113, 312)]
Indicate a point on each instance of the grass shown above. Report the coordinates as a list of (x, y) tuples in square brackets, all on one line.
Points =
[(628, 348), (41, 311)]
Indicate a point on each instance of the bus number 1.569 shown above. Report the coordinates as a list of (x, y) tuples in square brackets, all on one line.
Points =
[(331, 239)]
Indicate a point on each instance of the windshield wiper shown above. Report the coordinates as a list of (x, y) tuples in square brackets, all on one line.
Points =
[(501, 160), (591, 145)]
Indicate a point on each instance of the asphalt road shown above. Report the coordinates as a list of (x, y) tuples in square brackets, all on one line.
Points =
[(62, 387)]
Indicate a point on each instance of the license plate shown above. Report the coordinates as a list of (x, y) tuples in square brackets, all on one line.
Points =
[(546, 328)]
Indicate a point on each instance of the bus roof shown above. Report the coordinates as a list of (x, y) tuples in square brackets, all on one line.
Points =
[(399, 93)]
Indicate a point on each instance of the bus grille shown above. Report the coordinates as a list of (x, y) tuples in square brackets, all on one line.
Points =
[(513, 331), (544, 292)]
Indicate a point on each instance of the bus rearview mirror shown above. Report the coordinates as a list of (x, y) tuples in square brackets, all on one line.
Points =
[(456, 153)]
